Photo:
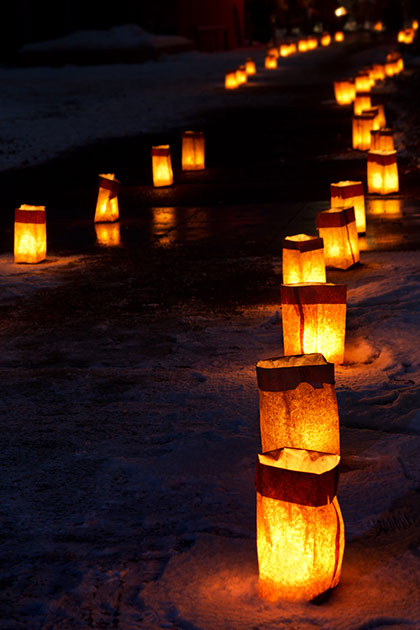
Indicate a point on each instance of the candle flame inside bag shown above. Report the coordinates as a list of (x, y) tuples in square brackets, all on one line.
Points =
[(314, 319), (30, 240), (300, 542), (298, 403), (303, 259), (162, 166), (107, 203)]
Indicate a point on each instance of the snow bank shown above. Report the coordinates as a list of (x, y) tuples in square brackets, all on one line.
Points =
[(115, 38)]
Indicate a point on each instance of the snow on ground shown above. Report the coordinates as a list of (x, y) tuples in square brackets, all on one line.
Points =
[(46, 111), (115, 38), (152, 431), (17, 280)]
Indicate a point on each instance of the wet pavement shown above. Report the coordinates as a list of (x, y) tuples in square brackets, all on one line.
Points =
[(269, 166), (393, 224)]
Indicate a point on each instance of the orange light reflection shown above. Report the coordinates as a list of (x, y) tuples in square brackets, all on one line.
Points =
[(384, 206), (164, 226), (108, 234)]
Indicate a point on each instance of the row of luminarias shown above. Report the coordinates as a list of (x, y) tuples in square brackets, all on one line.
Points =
[(369, 124), (300, 529), (30, 221), (30, 242), (406, 36), (314, 311), (236, 78)]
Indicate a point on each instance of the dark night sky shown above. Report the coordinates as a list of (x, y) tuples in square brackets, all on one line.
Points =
[(36, 20)]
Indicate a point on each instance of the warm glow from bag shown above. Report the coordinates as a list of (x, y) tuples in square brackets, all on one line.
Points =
[(162, 166), (381, 115), (326, 39), (390, 68), (339, 36), (382, 172), (273, 51), (108, 234), (303, 259), (345, 92), (30, 234), (362, 126), (314, 319), (231, 82), (376, 116), (303, 45), (379, 72), (394, 64), (250, 67), (193, 151), (241, 75), (363, 83), (347, 194), (372, 77), (107, 203), (300, 530), (298, 403), (337, 228), (382, 140), (406, 36), (271, 62), (362, 101)]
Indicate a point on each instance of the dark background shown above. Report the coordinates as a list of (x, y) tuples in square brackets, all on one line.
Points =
[(210, 24)]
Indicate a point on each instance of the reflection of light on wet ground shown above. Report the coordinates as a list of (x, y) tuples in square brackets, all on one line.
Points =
[(391, 224), (108, 234), (194, 224), (171, 225), (164, 226), (251, 229), (377, 238), (384, 206)]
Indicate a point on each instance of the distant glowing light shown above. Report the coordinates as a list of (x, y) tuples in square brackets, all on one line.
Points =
[(340, 11)]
